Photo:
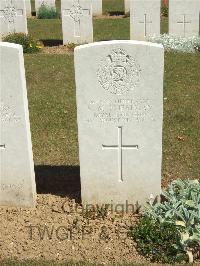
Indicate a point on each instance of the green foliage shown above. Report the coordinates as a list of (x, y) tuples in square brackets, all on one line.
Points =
[(180, 208), (157, 241), (47, 12), (164, 11), (169, 232), (30, 45), (71, 46)]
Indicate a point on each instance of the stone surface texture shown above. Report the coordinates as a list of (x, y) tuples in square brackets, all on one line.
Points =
[(17, 180), (12, 17), (184, 17), (144, 19), (77, 21)]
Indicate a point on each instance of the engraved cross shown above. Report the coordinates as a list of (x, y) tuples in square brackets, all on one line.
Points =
[(120, 147), (76, 12), (145, 22), (184, 22), (9, 14)]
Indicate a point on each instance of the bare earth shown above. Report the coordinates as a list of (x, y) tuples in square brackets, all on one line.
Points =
[(73, 235)]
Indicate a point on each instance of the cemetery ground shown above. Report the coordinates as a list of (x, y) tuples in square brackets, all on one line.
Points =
[(52, 107)]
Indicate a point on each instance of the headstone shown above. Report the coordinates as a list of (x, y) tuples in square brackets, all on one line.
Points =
[(77, 21), (17, 183), (12, 17), (28, 8), (144, 19), (184, 17), (97, 7), (127, 6), (119, 88), (48, 3)]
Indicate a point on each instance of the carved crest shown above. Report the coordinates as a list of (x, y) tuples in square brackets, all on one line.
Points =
[(118, 73)]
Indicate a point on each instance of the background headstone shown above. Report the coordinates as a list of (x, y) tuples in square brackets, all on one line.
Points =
[(77, 21), (17, 180), (119, 86), (184, 17), (144, 18), (96, 7), (12, 17), (127, 6), (39, 3), (28, 8)]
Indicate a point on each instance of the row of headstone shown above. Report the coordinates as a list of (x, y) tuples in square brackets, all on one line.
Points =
[(119, 116), (77, 18), (184, 18)]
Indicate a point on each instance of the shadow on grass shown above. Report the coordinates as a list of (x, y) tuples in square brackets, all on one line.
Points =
[(59, 180), (116, 13), (51, 43)]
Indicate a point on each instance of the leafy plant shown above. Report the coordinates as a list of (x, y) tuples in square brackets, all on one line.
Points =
[(30, 45), (47, 12), (177, 44), (156, 241), (181, 208)]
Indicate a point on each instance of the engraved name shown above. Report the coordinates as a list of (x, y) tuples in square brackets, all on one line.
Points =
[(8, 115), (120, 110)]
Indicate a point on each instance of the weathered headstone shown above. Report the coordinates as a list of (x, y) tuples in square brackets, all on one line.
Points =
[(28, 8), (77, 21), (119, 88), (17, 183), (48, 3), (127, 5), (96, 7), (184, 17), (12, 17), (144, 18)]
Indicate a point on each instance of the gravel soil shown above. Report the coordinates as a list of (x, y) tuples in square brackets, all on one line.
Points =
[(59, 229)]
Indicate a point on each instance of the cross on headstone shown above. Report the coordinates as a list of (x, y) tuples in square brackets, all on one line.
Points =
[(9, 14), (2, 146), (120, 147), (184, 22), (76, 12), (145, 22)]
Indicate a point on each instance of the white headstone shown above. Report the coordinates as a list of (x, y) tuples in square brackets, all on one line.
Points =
[(127, 6), (17, 180), (12, 17), (144, 18), (97, 7), (77, 21), (119, 87), (28, 8), (184, 17), (39, 3)]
